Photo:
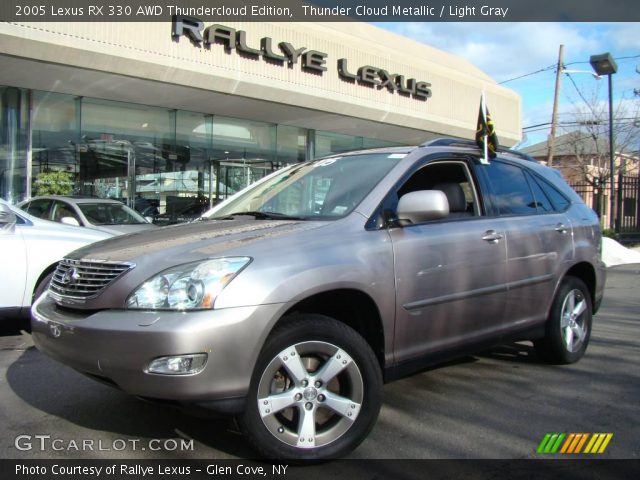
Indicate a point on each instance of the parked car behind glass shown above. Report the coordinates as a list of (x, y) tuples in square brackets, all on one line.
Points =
[(30, 248), (186, 214), (107, 215), (301, 294)]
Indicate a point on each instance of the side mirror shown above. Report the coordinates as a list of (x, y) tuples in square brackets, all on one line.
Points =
[(422, 206), (70, 221)]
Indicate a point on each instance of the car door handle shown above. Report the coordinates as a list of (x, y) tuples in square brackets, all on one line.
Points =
[(492, 236), (561, 228)]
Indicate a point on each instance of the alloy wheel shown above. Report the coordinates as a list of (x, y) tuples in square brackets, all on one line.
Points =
[(310, 394)]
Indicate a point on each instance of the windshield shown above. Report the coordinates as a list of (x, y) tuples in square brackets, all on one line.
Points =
[(110, 214), (328, 188)]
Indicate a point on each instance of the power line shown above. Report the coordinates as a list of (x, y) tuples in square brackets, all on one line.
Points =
[(620, 126), (551, 67), (615, 58), (619, 121), (581, 96), (545, 69)]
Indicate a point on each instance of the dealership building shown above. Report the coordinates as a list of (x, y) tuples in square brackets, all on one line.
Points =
[(189, 109)]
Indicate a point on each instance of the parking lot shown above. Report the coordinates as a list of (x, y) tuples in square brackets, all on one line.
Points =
[(496, 405)]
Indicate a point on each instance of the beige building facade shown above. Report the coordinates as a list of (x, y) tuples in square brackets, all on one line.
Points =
[(164, 110)]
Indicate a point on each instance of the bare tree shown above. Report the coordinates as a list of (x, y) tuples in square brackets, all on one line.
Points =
[(585, 145), (583, 148)]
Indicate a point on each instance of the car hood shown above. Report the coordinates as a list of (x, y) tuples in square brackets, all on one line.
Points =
[(123, 229), (69, 231), (189, 242)]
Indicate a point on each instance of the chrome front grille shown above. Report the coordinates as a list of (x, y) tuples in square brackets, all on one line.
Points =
[(85, 278)]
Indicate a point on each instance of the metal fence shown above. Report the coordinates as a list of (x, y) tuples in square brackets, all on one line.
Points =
[(598, 199)]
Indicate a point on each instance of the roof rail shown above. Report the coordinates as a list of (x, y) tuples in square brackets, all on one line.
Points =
[(461, 142), (446, 142)]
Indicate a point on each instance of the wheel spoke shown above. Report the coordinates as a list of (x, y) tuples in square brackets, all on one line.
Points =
[(307, 428), (579, 308), (274, 403), (578, 333), (333, 366), (565, 319), (568, 338), (571, 302), (342, 405), (293, 363)]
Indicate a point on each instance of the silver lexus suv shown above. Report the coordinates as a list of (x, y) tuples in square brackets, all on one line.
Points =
[(293, 302)]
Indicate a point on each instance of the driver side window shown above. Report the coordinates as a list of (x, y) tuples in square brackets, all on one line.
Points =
[(454, 180), (61, 210)]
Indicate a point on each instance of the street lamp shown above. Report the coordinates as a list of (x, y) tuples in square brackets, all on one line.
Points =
[(604, 64)]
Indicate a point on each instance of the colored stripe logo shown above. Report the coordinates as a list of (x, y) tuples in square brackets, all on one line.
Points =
[(573, 443)]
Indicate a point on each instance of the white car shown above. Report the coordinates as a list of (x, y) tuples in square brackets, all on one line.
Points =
[(104, 214), (30, 249)]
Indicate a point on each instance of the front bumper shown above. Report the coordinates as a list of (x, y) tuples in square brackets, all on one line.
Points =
[(116, 346)]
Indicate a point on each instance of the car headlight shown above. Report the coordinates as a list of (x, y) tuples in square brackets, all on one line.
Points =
[(186, 287)]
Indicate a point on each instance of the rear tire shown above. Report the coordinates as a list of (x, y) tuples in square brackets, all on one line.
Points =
[(315, 392), (568, 327)]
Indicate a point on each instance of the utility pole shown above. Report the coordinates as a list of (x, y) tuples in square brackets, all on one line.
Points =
[(554, 116)]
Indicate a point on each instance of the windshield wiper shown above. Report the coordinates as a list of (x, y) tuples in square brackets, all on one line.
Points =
[(264, 215)]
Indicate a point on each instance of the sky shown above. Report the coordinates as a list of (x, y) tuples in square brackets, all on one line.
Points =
[(506, 51)]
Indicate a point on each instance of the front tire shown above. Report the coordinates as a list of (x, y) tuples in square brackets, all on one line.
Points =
[(315, 393), (568, 327)]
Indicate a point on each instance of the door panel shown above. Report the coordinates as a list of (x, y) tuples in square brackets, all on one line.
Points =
[(13, 258), (538, 240), (450, 284), (537, 248)]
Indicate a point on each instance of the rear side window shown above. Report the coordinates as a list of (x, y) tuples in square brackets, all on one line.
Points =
[(542, 201), (558, 201), (510, 191)]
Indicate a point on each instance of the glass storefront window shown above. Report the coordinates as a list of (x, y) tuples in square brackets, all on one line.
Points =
[(188, 187), (122, 144), (292, 144), (328, 143), (377, 143), (54, 144), (158, 160), (243, 151), (14, 137)]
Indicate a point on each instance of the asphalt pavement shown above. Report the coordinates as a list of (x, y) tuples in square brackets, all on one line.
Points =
[(495, 405)]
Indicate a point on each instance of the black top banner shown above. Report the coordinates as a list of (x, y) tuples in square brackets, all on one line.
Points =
[(321, 10)]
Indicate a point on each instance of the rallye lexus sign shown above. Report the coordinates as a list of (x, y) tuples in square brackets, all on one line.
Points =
[(312, 61)]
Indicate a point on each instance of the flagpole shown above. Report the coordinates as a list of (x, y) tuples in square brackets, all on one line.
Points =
[(486, 133), (486, 136)]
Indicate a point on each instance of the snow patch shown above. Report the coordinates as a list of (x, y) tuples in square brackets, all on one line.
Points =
[(615, 254)]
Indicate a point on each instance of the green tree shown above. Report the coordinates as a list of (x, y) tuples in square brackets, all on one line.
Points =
[(53, 183)]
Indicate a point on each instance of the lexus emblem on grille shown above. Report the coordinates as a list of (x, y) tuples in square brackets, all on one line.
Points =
[(70, 277), (55, 330)]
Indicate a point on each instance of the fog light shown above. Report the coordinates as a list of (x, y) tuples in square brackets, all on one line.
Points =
[(179, 364)]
